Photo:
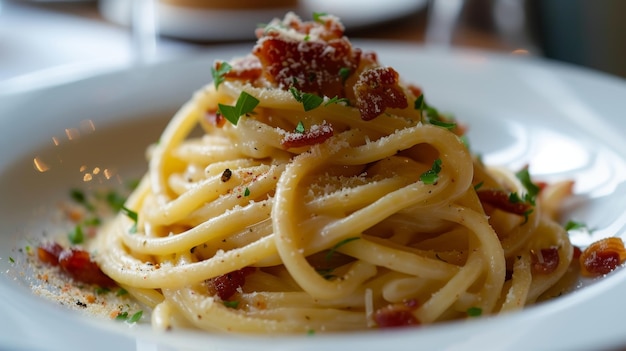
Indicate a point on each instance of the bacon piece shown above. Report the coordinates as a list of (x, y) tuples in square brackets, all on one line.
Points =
[(500, 200), (215, 119), (310, 66), (545, 261), (602, 257), (326, 27), (378, 89), (48, 252), (75, 262), (226, 285), (317, 134), (247, 68), (397, 315), (79, 265), (369, 58), (577, 253)]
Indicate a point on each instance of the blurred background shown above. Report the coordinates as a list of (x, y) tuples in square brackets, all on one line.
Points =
[(49, 41)]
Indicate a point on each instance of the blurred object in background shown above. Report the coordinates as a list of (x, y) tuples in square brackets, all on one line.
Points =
[(230, 20), (588, 33), (585, 32), (53, 40)]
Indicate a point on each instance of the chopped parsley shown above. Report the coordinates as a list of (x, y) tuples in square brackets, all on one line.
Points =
[(436, 121), (115, 200), (344, 73), (474, 311), (246, 192), (76, 236), (326, 272), (337, 100), (132, 215), (311, 101), (121, 292), (432, 114), (11, 259), (92, 222), (308, 101), (419, 103), (79, 196), (123, 316), (574, 225), (532, 189), (333, 249), (514, 198), (432, 175), (245, 104), (135, 317), (300, 128), (479, 185), (220, 73), (317, 17), (102, 290), (231, 304)]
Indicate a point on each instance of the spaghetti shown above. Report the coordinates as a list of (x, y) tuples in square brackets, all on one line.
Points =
[(325, 194)]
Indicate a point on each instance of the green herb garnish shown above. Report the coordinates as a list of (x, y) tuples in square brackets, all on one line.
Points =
[(514, 198), (300, 127), (11, 259), (308, 101), (121, 292), (336, 100), (135, 317), (317, 17), (438, 122), (246, 192), (102, 290), (132, 215), (432, 114), (76, 236), (419, 103), (332, 250), (123, 316), (312, 101), (92, 222), (573, 225), (474, 311), (244, 105), (115, 201), (432, 175), (220, 73), (231, 304), (79, 196), (326, 273), (344, 73), (532, 189)]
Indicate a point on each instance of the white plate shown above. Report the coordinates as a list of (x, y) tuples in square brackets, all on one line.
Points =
[(202, 24), (563, 121)]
